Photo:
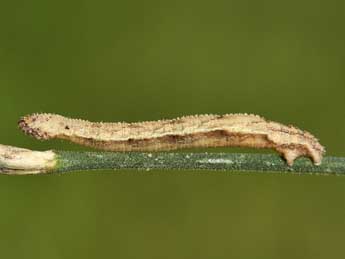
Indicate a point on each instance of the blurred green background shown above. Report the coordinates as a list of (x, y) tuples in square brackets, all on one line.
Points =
[(145, 60)]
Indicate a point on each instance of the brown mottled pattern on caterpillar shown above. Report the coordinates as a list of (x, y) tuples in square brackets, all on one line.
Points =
[(240, 130)]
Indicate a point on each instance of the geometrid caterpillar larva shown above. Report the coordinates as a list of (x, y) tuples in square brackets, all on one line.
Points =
[(240, 130)]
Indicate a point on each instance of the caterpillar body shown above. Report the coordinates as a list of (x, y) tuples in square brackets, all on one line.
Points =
[(240, 130)]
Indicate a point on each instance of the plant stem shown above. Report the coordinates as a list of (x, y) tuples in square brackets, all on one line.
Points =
[(18, 161), (71, 161)]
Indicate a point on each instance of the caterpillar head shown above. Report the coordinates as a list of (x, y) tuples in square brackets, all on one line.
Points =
[(41, 126)]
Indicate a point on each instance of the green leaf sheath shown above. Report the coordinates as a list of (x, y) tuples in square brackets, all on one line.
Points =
[(80, 161)]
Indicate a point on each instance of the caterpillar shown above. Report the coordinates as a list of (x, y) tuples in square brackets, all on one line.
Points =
[(240, 130)]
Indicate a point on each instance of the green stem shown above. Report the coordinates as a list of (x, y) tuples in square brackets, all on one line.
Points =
[(20, 161), (79, 161)]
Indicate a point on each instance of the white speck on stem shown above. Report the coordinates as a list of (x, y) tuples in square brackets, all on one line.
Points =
[(215, 161)]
